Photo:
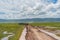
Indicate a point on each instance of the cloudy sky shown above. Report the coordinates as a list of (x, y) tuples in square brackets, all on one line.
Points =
[(21, 9)]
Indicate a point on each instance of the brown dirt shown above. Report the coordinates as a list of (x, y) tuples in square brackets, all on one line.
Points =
[(35, 34)]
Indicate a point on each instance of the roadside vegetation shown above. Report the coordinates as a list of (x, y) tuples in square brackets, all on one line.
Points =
[(14, 28), (51, 24)]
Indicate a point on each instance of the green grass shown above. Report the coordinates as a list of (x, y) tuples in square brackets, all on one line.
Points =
[(48, 24), (52, 24), (13, 28)]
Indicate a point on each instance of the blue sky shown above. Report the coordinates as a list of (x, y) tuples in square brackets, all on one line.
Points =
[(21, 9), (53, 1)]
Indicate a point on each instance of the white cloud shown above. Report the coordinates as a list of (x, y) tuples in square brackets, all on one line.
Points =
[(20, 9)]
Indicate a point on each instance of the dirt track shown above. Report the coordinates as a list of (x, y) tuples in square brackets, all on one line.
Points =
[(35, 34)]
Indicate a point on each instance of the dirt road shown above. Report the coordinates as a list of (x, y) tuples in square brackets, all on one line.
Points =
[(35, 34), (23, 35)]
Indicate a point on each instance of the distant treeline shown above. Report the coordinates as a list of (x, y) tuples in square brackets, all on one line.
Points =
[(23, 23)]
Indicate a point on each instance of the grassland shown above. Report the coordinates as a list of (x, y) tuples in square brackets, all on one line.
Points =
[(48, 24), (55, 24), (52, 24), (12, 28)]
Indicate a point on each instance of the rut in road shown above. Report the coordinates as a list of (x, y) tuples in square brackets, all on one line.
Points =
[(35, 34)]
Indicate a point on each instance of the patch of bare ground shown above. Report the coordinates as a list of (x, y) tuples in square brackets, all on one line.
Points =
[(35, 34)]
